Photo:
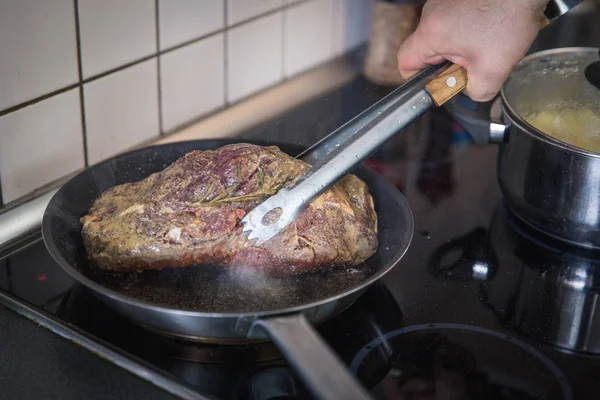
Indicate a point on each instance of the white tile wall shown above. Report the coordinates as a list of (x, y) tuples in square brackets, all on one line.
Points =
[(351, 24), (115, 32), (39, 144), (121, 110), (183, 20), (309, 35), (192, 81), (254, 56), (208, 54), (36, 61), (241, 10)]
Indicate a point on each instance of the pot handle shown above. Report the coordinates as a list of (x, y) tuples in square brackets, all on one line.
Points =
[(481, 128), (323, 373)]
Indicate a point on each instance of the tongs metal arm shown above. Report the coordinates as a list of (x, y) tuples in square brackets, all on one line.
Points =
[(338, 137), (342, 151)]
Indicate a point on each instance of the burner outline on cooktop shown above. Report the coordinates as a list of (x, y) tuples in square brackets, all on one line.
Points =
[(560, 377)]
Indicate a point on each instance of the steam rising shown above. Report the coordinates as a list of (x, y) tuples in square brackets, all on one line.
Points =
[(233, 289)]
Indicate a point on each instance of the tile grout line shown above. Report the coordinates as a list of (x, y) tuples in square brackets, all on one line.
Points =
[(257, 17), (225, 56), (191, 41), (158, 77), (38, 99), (120, 68), (283, 43), (80, 84)]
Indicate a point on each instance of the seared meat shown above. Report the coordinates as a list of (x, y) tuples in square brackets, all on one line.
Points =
[(190, 214)]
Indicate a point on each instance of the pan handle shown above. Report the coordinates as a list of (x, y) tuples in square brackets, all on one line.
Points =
[(323, 373)]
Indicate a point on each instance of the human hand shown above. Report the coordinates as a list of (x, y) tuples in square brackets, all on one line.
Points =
[(486, 37)]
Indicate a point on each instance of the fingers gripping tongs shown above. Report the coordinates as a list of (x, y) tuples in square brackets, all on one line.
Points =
[(344, 149)]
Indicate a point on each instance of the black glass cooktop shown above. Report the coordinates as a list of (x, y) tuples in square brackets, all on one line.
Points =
[(480, 308)]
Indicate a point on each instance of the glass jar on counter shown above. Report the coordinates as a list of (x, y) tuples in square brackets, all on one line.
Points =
[(392, 22)]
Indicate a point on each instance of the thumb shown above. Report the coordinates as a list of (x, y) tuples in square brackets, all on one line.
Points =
[(415, 54), (485, 81)]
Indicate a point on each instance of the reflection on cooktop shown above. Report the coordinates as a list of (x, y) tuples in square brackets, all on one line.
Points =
[(534, 285), (544, 288), (251, 371), (455, 361)]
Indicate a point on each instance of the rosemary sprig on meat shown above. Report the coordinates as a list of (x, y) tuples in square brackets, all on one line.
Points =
[(226, 196)]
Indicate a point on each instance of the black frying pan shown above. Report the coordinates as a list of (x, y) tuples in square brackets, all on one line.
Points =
[(208, 303)]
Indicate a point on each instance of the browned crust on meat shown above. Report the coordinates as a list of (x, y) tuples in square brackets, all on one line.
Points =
[(190, 214)]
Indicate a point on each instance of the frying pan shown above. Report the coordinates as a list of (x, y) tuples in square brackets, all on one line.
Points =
[(209, 303)]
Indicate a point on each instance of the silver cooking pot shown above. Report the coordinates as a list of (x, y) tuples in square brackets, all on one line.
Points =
[(552, 183)]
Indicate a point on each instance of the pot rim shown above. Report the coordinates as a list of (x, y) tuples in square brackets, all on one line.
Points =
[(522, 124)]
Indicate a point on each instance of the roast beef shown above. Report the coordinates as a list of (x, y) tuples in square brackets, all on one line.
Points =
[(190, 214)]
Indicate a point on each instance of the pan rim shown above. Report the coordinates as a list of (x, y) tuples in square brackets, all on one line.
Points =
[(98, 289)]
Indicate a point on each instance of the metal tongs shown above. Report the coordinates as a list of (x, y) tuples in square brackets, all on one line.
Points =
[(337, 154)]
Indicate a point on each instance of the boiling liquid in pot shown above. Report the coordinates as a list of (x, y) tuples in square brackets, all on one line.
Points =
[(578, 127)]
